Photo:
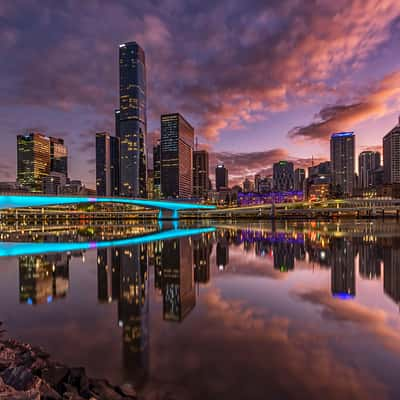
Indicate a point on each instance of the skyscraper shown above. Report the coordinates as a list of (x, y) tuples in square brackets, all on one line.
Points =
[(283, 179), (391, 155), (157, 170), (177, 141), (58, 156), (299, 177), (221, 177), (368, 163), (342, 162), (33, 160), (107, 164), (131, 124), (200, 173)]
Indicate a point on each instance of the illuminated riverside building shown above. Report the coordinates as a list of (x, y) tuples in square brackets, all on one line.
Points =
[(107, 164), (131, 120), (221, 177), (157, 170), (299, 177), (179, 296), (108, 275), (343, 163), (58, 156), (391, 155), (43, 279), (368, 163), (283, 176), (133, 311), (33, 160), (343, 280), (200, 174), (177, 141)]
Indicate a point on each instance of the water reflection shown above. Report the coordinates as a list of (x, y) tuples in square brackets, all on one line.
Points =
[(152, 289)]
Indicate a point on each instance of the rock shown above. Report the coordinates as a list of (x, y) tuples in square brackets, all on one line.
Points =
[(48, 393), (127, 390), (19, 378), (55, 375), (101, 389)]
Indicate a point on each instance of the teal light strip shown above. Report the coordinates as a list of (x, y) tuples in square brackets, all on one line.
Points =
[(12, 249), (42, 201)]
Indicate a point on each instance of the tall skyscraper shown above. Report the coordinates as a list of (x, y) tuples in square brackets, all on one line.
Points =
[(283, 179), (131, 124), (221, 177), (58, 156), (157, 170), (177, 141), (200, 173), (299, 177), (33, 160), (368, 163), (342, 162), (391, 155), (107, 164)]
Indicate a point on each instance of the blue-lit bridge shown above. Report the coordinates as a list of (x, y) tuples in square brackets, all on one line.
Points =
[(172, 207)]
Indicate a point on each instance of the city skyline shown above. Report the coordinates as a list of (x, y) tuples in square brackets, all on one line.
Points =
[(349, 81)]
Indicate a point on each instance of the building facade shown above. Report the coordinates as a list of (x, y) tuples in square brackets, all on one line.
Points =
[(157, 170), (368, 163), (299, 177), (221, 177), (343, 162), (177, 141), (391, 155), (131, 121), (107, 164), (58, 156), (283, 176), (33, 160), (200, 173)]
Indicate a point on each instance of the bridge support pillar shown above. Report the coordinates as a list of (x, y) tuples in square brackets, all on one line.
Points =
[(168, 214)]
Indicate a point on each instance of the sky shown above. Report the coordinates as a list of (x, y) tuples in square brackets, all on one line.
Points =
[(259, 81)]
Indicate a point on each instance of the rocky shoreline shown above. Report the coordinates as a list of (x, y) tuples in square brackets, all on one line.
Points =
[(28, 373)]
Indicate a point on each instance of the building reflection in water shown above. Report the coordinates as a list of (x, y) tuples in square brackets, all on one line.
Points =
[(44, 278), (123, 276), (343, 280), (178, 289), (369, 262), (222, 253), (391, 265), (202, 249)]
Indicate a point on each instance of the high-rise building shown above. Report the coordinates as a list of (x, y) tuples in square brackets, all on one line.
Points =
[(342, 162), (177, 141), (391, 155), (257, 180), (116, 128), (132, 122), (33, 160), (247, 186), (283, 179), (58, 156), (322, 170), (368, 163), (107, 164), (200, 173), (299, 177), (221, 177), (157, 170)]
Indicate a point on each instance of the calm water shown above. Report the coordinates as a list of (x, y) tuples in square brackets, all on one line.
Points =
[(242, 311)]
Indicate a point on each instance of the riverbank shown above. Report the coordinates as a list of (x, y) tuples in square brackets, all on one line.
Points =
[(29, 373)]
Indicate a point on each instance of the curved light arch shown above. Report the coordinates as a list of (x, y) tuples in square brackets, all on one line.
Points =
[(13, 201)]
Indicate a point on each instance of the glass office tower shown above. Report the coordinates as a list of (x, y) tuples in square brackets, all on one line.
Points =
[(177, 141), (131, 120)]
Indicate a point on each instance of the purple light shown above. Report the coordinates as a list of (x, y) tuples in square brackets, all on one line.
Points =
[(92, 199), (342, 134)]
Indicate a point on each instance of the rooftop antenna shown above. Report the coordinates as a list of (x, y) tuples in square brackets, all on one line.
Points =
[(197, 143), (312, 160)]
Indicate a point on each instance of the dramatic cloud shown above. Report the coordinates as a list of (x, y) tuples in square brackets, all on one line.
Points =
[(376, 102)]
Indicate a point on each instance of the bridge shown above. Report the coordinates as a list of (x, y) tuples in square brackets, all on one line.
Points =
[(354, 207), (172, 207)]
